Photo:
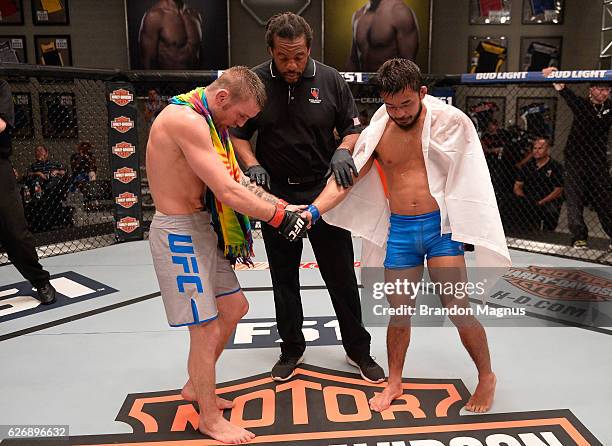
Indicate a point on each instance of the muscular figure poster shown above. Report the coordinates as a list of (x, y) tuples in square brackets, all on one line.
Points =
[(177, 34), (361, 35)]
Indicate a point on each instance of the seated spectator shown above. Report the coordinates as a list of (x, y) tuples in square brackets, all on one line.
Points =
[(44, 170), (48, 187), (538, 188), (83, 164)]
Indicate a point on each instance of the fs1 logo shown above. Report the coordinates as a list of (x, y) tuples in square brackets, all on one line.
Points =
[(182, 247), (358, 78)]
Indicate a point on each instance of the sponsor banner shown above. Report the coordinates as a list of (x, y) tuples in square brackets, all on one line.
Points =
[(126, 200), (536, 76), (123, 149), (122, 124), (128, 225), (123, 140), (125, 175), (121, 97), (18, 299), (323, 407)]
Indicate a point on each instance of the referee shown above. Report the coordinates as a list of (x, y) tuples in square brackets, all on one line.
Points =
[(296, 153), (14, 235)]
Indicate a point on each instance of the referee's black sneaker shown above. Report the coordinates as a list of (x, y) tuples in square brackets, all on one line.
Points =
[(369, 369), (45, 293), (285, 367)]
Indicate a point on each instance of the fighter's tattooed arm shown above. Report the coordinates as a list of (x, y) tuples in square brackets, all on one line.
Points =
[(258, 190)]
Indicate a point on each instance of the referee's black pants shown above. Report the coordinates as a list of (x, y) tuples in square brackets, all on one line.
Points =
[(15, 237), (333, 249)]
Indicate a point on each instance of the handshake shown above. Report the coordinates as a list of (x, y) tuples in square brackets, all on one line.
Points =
[(293, 221)]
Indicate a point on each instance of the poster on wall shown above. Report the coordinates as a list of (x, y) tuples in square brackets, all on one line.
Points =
[(24, 124), (188, 35), (53, 50), (13, 49), (58, 115), (11, 12), (50, 12), (538, 53), (361, 35), (536, 116), (490, 12), (487, 54), (486, 111), (539, 12)]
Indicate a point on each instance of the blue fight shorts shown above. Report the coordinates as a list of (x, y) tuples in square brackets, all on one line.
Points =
[(414, 237)]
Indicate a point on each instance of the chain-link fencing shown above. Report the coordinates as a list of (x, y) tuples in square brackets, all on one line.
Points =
[(547, 153)]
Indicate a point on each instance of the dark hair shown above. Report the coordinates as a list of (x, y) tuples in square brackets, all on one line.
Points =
[(397, 74), (242, 84), (288, 25), (86, 146), (544, 138)]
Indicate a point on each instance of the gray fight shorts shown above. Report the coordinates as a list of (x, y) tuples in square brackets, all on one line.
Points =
[(191, 270)]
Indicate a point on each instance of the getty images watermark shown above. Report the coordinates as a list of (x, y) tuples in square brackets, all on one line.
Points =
[(404, 292), (519, 296)]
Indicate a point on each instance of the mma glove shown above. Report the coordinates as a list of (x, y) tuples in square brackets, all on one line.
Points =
[(342, 164), (289, 224), (259, 175)]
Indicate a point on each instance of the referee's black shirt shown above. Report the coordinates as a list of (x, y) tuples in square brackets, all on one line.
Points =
[(295, 128)]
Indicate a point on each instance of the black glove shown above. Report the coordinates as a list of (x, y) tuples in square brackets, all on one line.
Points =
[(289, 224), (259, 175), (342, 164)]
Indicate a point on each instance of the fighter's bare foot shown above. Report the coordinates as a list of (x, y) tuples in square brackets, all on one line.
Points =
[(188, 394), (482, 399), (222, 430), (382, 401)]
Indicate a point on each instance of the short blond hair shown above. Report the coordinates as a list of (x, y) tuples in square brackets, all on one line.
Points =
[(242, 84)]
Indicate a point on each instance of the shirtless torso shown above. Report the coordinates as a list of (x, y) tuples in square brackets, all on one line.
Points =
[(175, 188), (170, 37), (400, 155), (383, 30)]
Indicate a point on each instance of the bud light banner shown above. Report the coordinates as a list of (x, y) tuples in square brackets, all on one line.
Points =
[(124, 160)]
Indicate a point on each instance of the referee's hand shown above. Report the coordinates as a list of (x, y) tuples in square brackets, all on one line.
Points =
[(259, 175), (344, 168)]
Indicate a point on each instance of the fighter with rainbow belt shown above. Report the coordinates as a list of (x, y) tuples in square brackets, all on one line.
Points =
[(189, 155), (440, 197)]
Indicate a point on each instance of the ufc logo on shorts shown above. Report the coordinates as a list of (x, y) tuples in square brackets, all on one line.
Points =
[(183, 244), (299, 224)]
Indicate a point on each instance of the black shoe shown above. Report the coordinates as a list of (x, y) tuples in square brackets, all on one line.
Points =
[(285, 366), (46, 293), (369, 370)]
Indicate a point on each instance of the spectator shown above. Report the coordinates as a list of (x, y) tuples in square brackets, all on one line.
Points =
[(48, 184), (586, 159), (44, 170), (83, 164), (153, 106), (538, 187)]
